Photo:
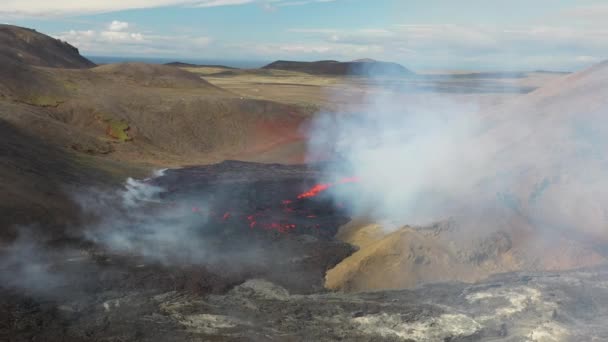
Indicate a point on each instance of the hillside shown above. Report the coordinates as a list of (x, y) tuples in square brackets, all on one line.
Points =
[(153, 75), (27, 46), (365, 67), (112, 121), (172, 116), (411, 256)]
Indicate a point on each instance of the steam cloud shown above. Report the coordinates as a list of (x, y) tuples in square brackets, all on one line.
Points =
[(429, 157), (135, 221), (415, 161), (25, 264)]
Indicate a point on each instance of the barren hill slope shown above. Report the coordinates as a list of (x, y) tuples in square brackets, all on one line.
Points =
[(144, 113), (26, 83), (30, 47), (153, 75)]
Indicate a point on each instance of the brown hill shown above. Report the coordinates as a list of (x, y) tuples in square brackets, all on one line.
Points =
[(171, 115), (33, 48), (411, 256), (153, 75), (364, 67), (117, 120), (25, 83)]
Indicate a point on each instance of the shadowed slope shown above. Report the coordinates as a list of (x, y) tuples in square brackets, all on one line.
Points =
[(30, 47)]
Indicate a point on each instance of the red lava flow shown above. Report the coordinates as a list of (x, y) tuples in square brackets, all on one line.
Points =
[(317, 189), (285, 227)]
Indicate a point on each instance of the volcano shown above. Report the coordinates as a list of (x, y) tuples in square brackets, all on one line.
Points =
[(207, 248)]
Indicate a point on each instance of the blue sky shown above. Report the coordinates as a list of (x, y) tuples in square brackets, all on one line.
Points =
[(423, 34)]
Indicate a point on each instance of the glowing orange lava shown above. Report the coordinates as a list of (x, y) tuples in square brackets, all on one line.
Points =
[(287, 207), (315, 190), (226, 216)]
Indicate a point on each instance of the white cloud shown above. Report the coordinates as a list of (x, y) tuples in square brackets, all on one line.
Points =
[(295, 48), (113, 36), (305, 51), (588, 59), (215, 3), (124, 42), (586, 15), (561, 44), (444, 45), (301, 2), (415, 46), (118, 26), (47, 8)]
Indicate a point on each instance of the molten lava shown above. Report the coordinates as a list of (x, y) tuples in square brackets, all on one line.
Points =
[(226, 216), (315, 190), (264, 220)]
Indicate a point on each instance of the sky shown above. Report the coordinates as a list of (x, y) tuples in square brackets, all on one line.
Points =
[(498, 35)]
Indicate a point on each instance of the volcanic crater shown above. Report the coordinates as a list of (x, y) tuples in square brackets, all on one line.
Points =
[(241, 251)]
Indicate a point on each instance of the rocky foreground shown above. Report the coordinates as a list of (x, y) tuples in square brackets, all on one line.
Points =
[(568, 306)]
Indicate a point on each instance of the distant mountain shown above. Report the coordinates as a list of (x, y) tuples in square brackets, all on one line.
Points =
[(29, 47), (361, 67), (552, 72), (190, 65), (154, 75), (365, 60)]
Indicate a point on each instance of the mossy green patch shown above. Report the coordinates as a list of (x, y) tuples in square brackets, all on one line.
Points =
[(43, 101), (118, 130), (70, 86)]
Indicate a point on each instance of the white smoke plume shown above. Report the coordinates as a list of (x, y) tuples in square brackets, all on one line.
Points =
[(122, 224), (425, 157), (30, 264), (412, 155), (136, 220), (138, 192), (25, 264)]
